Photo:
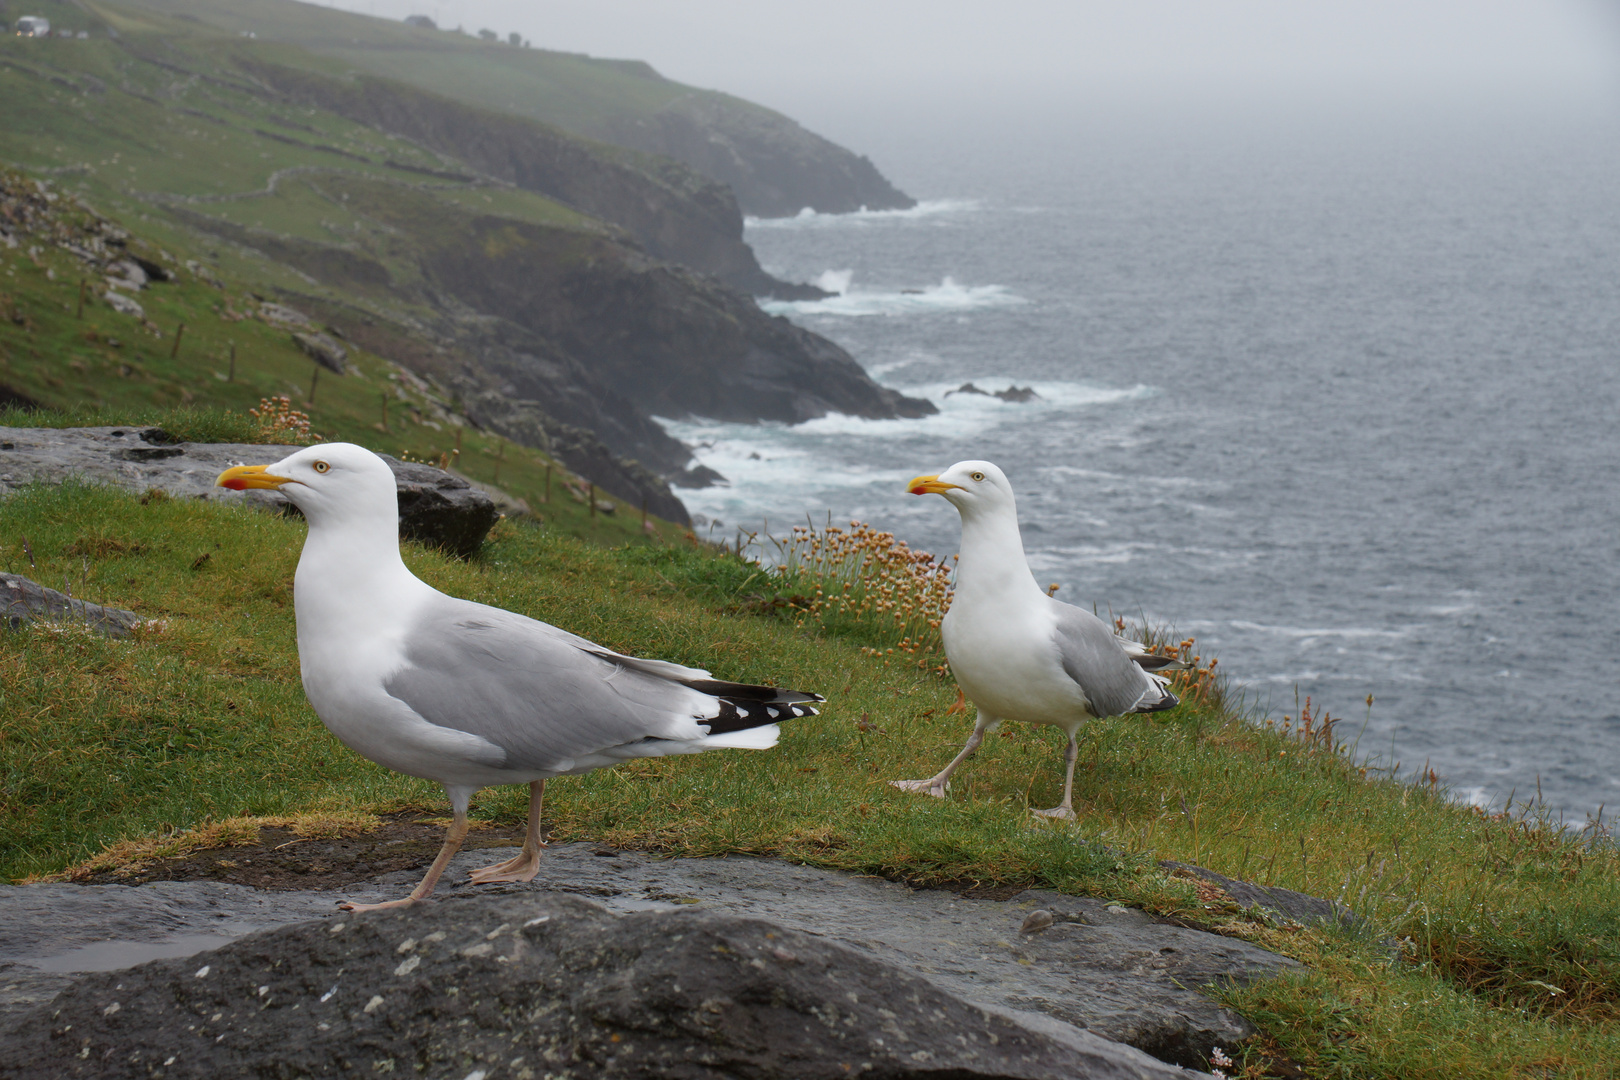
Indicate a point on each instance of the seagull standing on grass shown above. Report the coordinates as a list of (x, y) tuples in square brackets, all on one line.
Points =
[(1018, 654), (466, 694)]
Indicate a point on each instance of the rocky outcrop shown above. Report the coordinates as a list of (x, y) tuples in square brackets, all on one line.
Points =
[(673, 212), (774, 165), (323, 350), (23, 601), (436, 507), (543, 985)]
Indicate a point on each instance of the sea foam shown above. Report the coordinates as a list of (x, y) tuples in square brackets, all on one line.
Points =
[(927, 210), (947, 296)]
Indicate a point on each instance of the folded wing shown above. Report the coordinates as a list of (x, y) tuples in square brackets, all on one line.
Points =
[(553, 700)]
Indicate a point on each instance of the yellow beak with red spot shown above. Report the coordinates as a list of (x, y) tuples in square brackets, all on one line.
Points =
[(243, 477), (929, 485)]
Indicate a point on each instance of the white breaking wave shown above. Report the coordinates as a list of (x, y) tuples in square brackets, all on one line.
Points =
[(835, 459), (947, 296), (834, 281), (810, 219)]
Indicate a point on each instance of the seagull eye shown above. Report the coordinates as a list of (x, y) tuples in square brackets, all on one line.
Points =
[(321, 466), (977, 475)]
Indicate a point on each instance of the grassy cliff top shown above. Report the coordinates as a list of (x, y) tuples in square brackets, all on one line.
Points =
[(1490, 945)]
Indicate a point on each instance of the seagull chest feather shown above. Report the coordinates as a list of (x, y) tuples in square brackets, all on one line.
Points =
[(354, 606), (1004, 659), (999, 631)]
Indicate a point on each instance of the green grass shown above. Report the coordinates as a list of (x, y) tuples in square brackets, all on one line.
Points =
[(1508, 956)]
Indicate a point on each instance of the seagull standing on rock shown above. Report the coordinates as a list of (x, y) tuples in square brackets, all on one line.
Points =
[(467, 694), (1017, 653)]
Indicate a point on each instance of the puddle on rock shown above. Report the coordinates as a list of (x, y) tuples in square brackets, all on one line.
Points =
[(114, 955)]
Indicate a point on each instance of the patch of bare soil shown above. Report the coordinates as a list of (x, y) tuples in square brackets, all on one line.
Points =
[(283, 860)]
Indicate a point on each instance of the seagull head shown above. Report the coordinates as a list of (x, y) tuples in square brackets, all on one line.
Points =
[(331, 482), (973, 487)]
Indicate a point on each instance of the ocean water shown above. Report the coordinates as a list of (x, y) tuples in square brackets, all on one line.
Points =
[(1339, 399)]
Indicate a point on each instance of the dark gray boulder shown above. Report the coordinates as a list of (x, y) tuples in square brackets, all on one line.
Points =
[(23, 601), (436, 507), (441, 509), (541, 985)]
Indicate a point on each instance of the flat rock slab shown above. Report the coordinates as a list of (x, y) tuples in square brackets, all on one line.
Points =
[(1112, 970), (543, 984), (436, 507)]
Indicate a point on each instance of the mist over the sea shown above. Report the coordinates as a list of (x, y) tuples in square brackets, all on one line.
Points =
[(1334, 393)]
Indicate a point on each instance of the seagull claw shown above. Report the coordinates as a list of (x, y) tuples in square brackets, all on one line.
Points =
[(350, 905), (523, 867), (1060, 813), (935, 789)]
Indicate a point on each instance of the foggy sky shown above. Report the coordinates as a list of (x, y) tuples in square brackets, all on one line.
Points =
[(833, 58)]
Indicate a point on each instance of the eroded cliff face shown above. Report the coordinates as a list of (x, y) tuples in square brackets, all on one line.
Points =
[(672, 342), (672, 211), (774, 166)]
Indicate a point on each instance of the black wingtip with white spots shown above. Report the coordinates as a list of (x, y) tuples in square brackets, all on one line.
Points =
[(745, 714)]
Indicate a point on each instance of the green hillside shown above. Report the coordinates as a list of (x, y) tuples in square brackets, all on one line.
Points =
[(774, 166), (566, 89)]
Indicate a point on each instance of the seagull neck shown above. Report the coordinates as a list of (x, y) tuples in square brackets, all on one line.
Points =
[(992, 561), (353, 569)]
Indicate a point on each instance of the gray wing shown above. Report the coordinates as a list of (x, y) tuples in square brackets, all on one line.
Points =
[(1093, 657), (539, 693)]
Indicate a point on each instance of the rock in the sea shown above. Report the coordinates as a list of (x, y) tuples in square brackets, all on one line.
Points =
[(542, 985), (435, 507), (24, 601), (1015, 394), (324, 350)]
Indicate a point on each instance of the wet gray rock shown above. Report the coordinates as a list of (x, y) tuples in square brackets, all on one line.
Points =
[(436, 507), (23, 601), (1110, 970), (52, 935), (541, 984)]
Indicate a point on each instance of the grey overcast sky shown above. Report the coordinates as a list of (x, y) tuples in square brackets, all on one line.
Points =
[(829, 59)]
